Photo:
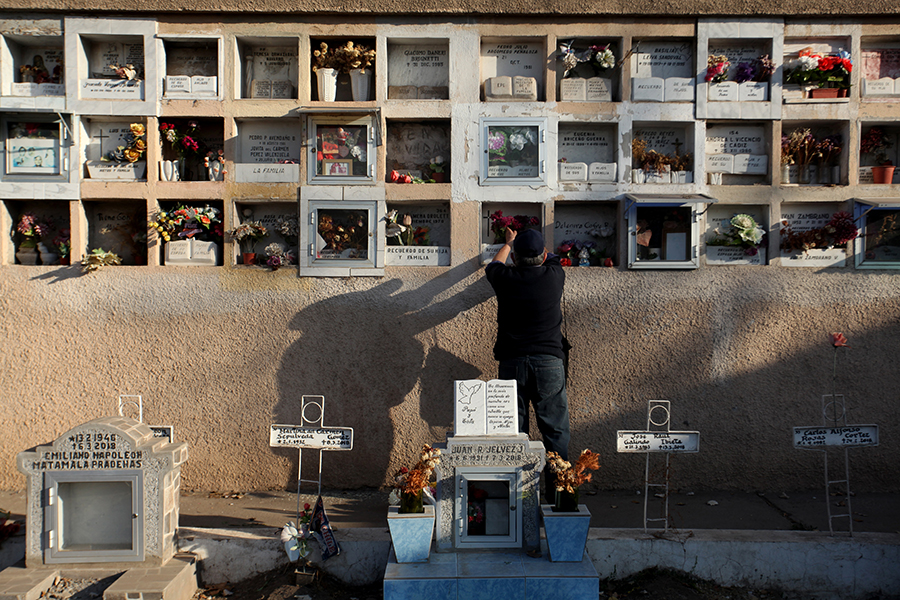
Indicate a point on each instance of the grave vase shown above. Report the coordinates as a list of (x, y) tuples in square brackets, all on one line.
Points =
[(249, 258), (835, 175), (216, 170), (804, 174), (566, 501), (167, 171), (411, 503), (47, 257), (438, 177), (27, 256), (785, 173), (327, 80), (566, 532), (824, 93), (360, 81), (411, 534)]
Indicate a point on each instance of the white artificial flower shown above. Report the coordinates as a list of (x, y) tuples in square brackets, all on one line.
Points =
[(394, 497), (517, 141), (606, 59), (743, 221)]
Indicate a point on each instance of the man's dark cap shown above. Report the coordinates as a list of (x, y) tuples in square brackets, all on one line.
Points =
[(528, 243)]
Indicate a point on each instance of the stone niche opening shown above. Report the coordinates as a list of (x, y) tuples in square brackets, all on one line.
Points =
[(104, 492)]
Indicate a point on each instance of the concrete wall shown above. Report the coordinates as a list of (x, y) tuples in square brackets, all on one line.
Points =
[(220, 353)]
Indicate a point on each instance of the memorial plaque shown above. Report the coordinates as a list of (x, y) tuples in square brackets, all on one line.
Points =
[(325, 438), (664, 141), (419, 65), (599, 89), (573, 90), (191, 253), (178, 84), (727, 91), (584, 222), (573, 171), (261, 88), (602, 172), (525, 88), (402, 92), (267, 142), (878, 87), (499, 88), (433, 92), (282, 90), (500, 171), (679, 89), (524, 171), (106, 138), (736, 54), (191, 60), (751, 164), (104, 54), (719, 163), (204, 85), (648, 89), (37, 89), (411, 145), (272, 63), (663, 59), (512, 59), (734, 255), (753, 91), (266, 173), (845, 437), (485, 408), (434, 217), (658, 441), (586, 143), (804, 218), (114, 170), (112, 89), (735, 139), (417, 256), (877, 63)]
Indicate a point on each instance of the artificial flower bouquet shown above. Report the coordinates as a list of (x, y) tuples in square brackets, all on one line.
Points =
[(410, 485), (32, 228), (189, 222), (743, 231), (814, 70), (569, 477), (599, 57), (403, 234), (134, 148), (345, 234), (246, 234), (839, 231), (876, 142), (499, 224)]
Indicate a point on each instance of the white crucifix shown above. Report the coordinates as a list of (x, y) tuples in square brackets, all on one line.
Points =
[(836, 433), (310, 434), (658, 439)]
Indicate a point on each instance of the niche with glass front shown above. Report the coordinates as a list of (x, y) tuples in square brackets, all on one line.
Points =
[(663, 231), (35, 147), (343, 151), (341, 238), (878, 244), (513, 151), (91, 514), (489, 509)]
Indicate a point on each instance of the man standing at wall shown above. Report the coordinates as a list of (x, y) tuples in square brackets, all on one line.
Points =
[(529, 343)]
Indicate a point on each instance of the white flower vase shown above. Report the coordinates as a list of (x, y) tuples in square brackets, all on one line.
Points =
[(637, 176), (327, 79), (216, 170), (359, 84), (27, 256), (167, 170), (47, 257)]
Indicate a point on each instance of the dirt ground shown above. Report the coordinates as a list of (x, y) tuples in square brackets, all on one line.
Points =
[(657, 584)]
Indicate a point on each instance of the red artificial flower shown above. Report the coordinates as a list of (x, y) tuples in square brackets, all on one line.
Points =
[(828, 63), (306, 506), (394, 176), (407, 178), (848, 66), (565, 262), (839, 341), (608, 262)]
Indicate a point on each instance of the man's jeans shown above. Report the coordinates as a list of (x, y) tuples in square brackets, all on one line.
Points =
[(541, 381)]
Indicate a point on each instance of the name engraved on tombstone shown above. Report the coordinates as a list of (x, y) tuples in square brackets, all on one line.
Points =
[(419, 65), (599, 89), (573, 89), (663, 59)]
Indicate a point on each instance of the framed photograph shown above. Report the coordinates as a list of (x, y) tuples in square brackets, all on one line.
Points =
[(337, 167), (32, 149)]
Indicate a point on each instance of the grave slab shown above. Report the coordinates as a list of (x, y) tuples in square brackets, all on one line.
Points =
[(175, 580)]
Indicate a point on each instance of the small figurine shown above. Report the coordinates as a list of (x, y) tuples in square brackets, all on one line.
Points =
[(584, 258)]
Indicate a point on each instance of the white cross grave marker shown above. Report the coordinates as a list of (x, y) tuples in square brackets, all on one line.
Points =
[(836, 433), (659, 440), (311, 434)]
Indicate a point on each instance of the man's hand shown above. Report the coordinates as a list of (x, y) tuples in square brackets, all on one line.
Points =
[(510, 235)]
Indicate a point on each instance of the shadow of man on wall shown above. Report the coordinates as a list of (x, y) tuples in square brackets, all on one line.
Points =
[(363, 351)]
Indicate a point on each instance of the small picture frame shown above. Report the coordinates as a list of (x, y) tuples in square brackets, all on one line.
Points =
[(337, 167), (32, 149)]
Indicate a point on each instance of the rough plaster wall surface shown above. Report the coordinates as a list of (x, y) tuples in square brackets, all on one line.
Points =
[(742, 352)]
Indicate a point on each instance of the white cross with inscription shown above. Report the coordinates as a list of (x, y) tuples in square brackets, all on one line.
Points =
[(655, 441), (159, 431), (311, 434)]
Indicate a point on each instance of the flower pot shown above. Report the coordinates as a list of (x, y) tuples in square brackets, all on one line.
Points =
[(843, 92), (411, 534), (359, 84), (804, 174), (327, 80), (167, 171), (823, 93), (566, 501), (566, 533), (785, 173), (438, 177), (249, 258), (883, 174)]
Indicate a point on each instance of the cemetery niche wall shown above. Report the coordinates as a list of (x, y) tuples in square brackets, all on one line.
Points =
[(104, 492)]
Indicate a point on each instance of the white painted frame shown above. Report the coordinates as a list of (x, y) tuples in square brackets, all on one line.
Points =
[(861, 209), (637, 201), (371, 151), (485, 125)]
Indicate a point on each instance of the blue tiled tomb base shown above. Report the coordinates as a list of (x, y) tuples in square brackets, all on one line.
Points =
[(411, 534), (566, 533), (491, 575)]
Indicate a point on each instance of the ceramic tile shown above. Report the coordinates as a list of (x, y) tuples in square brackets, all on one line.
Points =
[(430, 589), (439, 566), (542, 567), (512, 568), (492, 589), (570, 588)]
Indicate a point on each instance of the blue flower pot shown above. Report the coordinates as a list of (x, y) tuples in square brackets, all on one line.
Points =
[(411, 534), (566, 533)]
